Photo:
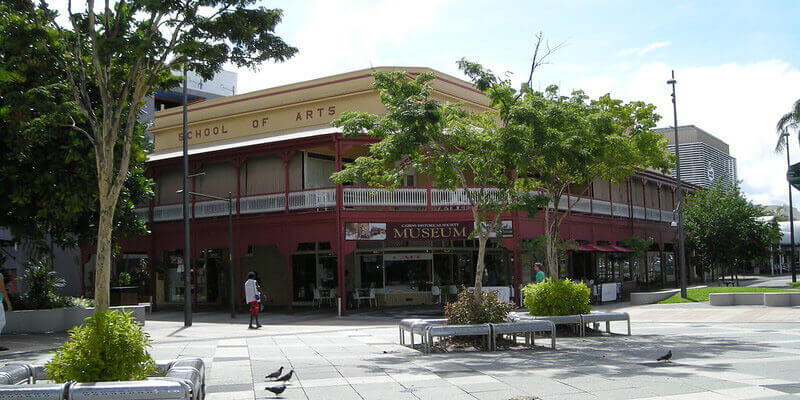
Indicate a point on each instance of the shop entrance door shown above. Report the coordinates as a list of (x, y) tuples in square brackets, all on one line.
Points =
[(210, 277)]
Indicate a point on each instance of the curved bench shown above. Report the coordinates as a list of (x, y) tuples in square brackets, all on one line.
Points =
[(569, 320), (434, 331), (14, 374), (154, 389), (527, 328), (416, 326), (596, 318), (39, 392)]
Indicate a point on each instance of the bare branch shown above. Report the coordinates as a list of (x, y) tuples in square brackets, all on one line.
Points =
[(75, 126), (538, 61)]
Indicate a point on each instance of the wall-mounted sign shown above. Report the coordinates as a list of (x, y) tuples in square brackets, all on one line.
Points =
[(427, 231), (407, 256)]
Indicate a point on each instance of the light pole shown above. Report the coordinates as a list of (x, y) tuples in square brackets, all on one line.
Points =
[(229, 199), (681, 249), (187, 254), (791, 212)]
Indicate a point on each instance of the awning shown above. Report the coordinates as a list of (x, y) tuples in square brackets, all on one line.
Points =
[(618, 249), (603, 248)]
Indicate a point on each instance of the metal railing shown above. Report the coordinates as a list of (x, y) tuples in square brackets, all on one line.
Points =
[(325, 198), (262, 203), (401, 197)]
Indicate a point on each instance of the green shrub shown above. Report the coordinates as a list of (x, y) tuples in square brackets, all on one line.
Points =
[(124, 279), (41, 283), (111, 346), (557, 297), (81, 302), (467, 310), (795, 285)]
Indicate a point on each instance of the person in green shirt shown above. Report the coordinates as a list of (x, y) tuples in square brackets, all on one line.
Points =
[(537, 268)]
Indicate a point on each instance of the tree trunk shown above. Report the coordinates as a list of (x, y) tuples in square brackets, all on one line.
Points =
[(479, 267), (102, 274), (552, 253)]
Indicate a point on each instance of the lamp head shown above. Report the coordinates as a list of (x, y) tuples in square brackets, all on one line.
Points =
[(671, 82)]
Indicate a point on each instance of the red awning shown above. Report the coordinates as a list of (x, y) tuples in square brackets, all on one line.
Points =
[(603, 248), (618, 249), (588, 247)]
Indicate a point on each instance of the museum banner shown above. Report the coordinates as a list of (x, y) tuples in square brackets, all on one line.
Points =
[(421, 231)]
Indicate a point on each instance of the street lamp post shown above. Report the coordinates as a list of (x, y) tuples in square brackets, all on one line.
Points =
[(229, 199), (791, 213), (187, 254), (681, 249)]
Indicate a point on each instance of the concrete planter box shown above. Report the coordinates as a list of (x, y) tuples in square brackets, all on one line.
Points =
[(57, 319), (782, 299), (736, 299)]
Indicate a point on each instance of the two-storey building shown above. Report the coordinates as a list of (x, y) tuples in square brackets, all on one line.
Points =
[(307, 238)]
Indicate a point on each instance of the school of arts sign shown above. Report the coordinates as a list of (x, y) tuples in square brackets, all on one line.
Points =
[(415, 231)]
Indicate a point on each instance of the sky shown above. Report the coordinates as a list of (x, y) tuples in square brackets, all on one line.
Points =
[(737, 63)]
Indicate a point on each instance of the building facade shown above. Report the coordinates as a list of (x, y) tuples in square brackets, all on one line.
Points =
[(309, 239), (705, 159)]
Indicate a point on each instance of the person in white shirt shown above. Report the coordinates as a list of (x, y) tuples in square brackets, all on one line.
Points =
[(252, 296), (3, 298)]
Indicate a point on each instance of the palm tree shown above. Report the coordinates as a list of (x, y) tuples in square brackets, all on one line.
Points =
[(787, 123)]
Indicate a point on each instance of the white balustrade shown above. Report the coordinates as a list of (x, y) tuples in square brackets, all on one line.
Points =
[(601, 207), (401, 197), (318, 198), (262, 203), (621, 210), (459, 197), (638, 212), (141, 212), (170, 212), (667, 216), (212, 208), (652, 214)]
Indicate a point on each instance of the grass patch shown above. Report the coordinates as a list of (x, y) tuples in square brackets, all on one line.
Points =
[(701, 294), (795, 285)]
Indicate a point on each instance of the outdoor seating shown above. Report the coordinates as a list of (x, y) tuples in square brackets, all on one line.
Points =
[(596, 318), (434, 331), (524, 328), (190, 376), (13, 374), (39, 392), (154, 389), (323, 295), (364, 294), (416, 326)]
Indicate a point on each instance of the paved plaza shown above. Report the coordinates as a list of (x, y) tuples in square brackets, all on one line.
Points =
[(719, 353)]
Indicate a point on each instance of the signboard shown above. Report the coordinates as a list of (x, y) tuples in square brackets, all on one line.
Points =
[(407, 256), (425, 231), (793, 175)]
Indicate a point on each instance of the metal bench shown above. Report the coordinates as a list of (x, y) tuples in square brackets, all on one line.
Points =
[(154, 389), (39, 392), (190, 376), (596, 318), (416, 326), (526, 328), (570, 320), (14, 374), (433, 331)]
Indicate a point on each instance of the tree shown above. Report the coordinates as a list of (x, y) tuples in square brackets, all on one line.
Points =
[(47, 171), (724, 230), (787, 123), (124, 51), (563, 143)]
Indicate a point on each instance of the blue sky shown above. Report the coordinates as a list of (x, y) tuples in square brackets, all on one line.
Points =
[(737, 63)]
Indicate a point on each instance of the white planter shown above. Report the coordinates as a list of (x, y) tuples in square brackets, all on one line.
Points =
[(57, 319)]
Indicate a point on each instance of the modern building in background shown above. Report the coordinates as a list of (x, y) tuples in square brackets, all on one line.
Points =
[(311, 240), (705, 159)]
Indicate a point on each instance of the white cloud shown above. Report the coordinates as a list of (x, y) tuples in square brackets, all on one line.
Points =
[(341, 36), (739, 103), (640, 51)]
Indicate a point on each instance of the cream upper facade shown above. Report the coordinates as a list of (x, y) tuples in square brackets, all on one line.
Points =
[(308, 107)]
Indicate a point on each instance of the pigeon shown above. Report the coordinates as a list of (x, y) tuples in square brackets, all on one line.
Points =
[(276, 390), (275, 374), (665, 357), (285, 377)]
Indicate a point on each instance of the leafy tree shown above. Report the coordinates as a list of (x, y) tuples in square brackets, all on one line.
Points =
[(115, 57), (47, 171), (561, 143), (787, 123), (723, 229)]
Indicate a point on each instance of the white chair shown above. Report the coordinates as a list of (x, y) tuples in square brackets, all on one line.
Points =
[(317, 299), (357, 298), (437, 294), (372, 297)]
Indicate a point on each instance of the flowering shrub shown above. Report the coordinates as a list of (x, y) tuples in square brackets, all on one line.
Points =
[(468, 310)]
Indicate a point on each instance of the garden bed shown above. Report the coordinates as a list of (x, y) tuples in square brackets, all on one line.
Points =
[(57, 319), (697, 295)]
